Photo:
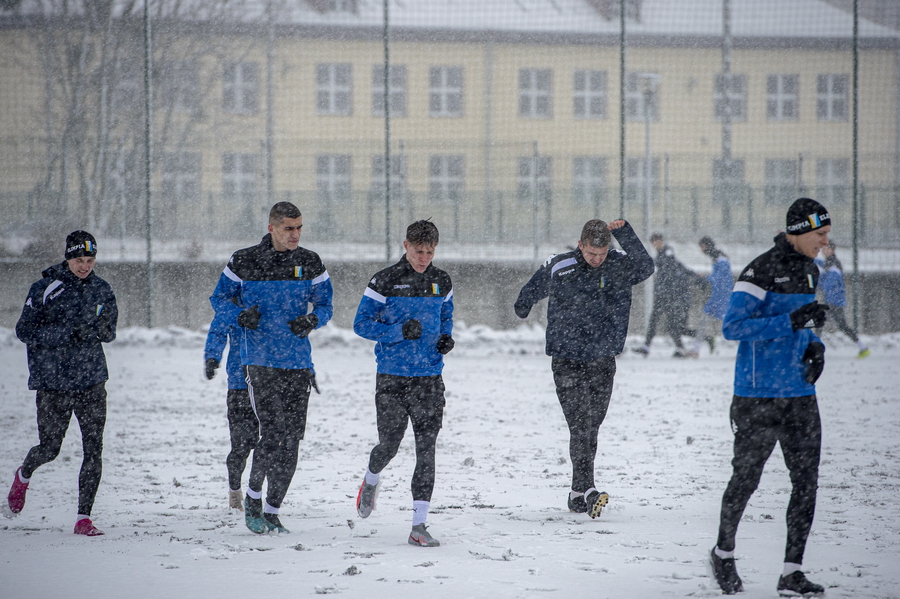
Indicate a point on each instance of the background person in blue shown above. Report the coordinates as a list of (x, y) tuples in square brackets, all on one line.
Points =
[(772, 312), (720, 283), (407, 309), (831, 282), (587, 321), (67, 315), (274, 283), (243, 427)]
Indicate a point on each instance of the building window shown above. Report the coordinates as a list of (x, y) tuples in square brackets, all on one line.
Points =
[(730, 92), (180, 86), (333, 178), (635, 177), (398, 175), (588, 180), (782, 97), (638, 99), (780, 181), (728, 180), (446, 178), (334, 89), (589, 95), (240, 89), (833, 180), (240, 177), (334, 5), (535, 93), (534, 183), (396, 90), (445, 91), (181, 177), (831, 97)]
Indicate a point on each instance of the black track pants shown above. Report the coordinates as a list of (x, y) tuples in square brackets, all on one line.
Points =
[(583, 389), (243, 428), (280, 398), (398, 400), (676, 315), (758, 424), (54, 411)]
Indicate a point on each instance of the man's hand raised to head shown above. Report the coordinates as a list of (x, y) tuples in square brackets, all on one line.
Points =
[(615, 224)]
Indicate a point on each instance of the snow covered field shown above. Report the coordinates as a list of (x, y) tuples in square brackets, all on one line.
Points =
[(499, 506)]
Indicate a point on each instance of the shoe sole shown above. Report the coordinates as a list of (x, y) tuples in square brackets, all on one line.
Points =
[(374, 499), (599, 504), (416, 543), (711, 571), (8, 513)]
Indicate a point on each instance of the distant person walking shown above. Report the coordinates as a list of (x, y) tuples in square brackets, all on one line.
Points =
[(720, 283), (671, 298), (243, 427), (67, 315), (268, 288), (772, 312), (589, 291), (831, 282), (407, 309)]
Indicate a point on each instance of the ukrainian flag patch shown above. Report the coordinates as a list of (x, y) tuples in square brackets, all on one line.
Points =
[(602, 281), (435, 289), (298, 272), (809, 279)]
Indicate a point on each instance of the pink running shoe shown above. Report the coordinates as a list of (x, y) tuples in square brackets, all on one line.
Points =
[(16, 497), (86, 527)]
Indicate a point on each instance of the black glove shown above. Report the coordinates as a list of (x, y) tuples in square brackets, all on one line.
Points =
[(808, 316), (412, 329), (302, 325), (814, 359), (83, 334), (249, 318), (445, 344), (211, 365)]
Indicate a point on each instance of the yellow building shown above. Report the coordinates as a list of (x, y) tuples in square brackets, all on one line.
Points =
[(504, 118)]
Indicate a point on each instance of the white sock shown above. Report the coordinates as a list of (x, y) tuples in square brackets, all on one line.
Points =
[(254, 494), (575, 494), (268, 509), (420, 512), (724, 554), (790, 568), (372, 478), (81, 517), (861, 345), (21, 478)]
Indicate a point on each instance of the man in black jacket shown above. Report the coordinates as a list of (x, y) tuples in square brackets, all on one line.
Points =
[(671, 298), (67, 315), (589, 292)]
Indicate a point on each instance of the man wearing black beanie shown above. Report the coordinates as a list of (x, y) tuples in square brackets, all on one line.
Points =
[(67, 315), (772, 311)]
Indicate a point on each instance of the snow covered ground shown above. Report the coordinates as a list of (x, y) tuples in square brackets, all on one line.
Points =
[(499, 506)]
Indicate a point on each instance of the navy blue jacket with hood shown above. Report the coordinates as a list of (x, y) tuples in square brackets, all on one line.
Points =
[(56, 305)]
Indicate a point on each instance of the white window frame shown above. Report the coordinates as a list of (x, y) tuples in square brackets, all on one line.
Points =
[(635, 175), (589, 184), (635, 98), (240, 87), (334, 88), (398, 174), (734, 92), (783, 97), (240, 176), (396, 90), (527, 178), (446, 178), (833, 181), (780, 183), (333, 178), (181, 176), (832, 102), (536, 93), (589, 96), (445, 91)]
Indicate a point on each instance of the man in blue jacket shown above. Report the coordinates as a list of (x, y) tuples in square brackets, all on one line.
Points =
[(407, 309), (772, 312), (587, 321), (268, 288), (243, 427), (66, 317)]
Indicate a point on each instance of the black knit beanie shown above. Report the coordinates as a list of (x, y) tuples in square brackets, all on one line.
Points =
[(806, 215), (80, 243)]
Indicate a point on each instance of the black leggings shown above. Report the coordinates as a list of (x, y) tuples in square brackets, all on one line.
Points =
[(54, 411), (836, 315), (280, 398), (243, 428), (583, 389), (759, 423), (398, 400)]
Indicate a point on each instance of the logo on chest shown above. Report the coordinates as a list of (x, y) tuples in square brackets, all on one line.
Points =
[(298, 272)]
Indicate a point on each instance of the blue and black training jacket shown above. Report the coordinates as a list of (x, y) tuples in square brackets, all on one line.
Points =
[(394, 296), (224, 330), (282, 285), (770, 354)]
